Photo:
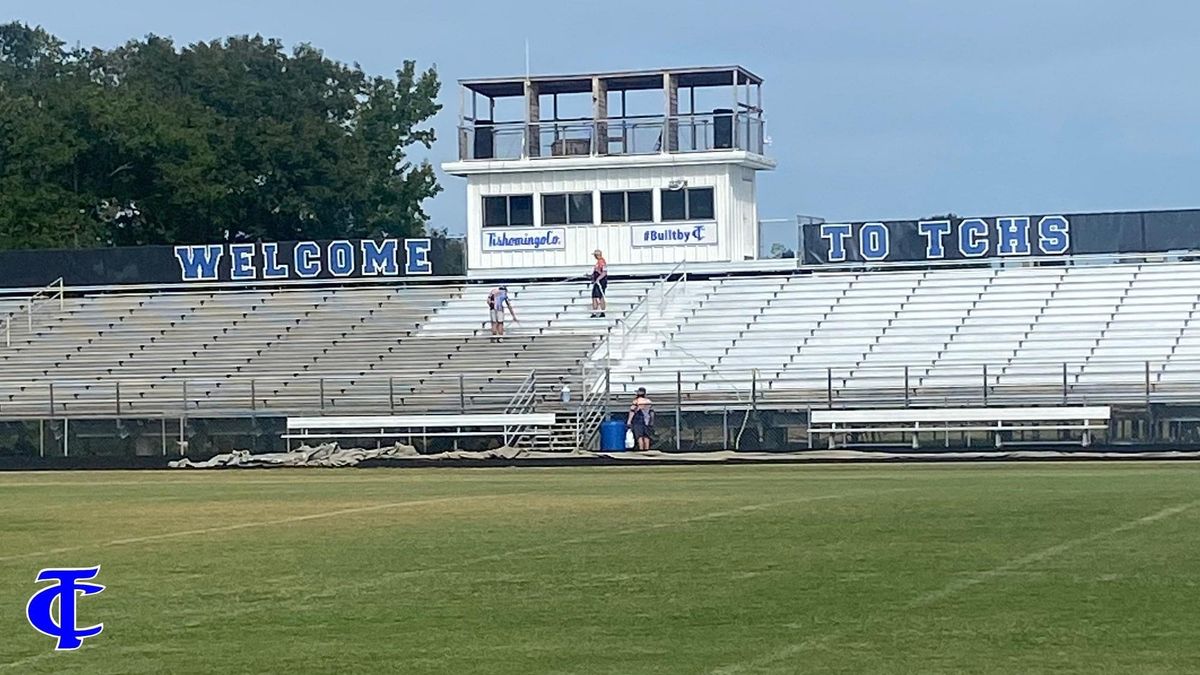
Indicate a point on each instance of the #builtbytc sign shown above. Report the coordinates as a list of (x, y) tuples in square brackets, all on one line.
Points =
[(674, 235), (532, 239)]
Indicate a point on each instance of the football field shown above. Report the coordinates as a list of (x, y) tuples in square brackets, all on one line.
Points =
[(984, 568)]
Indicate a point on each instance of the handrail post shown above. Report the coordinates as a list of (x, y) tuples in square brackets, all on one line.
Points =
[(607, 392), (1147, 385), (985, 385), (678, 407), (392, 393)]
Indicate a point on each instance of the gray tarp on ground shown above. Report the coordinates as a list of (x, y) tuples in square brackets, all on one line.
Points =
[(330, 455)]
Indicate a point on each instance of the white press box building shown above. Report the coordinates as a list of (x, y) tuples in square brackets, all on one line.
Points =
[(652, 167)]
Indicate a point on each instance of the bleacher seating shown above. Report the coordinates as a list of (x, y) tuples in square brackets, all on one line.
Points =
[(872, 337), (858, 333), (416, 347)]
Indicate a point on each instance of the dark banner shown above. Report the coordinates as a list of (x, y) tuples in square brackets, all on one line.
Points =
[(1002, 237), (262, 262)]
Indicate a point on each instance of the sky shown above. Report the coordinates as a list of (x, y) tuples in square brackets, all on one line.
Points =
[(876, 109)]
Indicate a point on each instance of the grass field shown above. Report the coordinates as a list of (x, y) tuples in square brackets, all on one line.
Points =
[(754, 569)]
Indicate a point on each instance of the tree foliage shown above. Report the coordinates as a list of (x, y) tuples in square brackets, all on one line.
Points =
[(149, 143)]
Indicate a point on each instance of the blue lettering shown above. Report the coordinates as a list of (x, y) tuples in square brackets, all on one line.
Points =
[(873, 241), (418, 256), (934, 231), (241, 258), (306, 257), (1054, 235), (199, 263), (272, 269), (379, 258), (1013, 236), (836, 234), (341, 258), (502, 240), (972, 238)]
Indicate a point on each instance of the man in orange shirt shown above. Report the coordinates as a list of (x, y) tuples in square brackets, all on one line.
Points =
[(599, 284)]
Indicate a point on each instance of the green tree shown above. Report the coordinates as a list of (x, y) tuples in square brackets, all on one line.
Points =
[(149, 143)]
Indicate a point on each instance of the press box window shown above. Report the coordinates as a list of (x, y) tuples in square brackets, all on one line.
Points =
[(508, 210), (574, 208), (687, 204), (627, 207)]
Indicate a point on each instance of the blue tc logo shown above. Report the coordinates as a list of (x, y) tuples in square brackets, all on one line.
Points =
[(67, 588)]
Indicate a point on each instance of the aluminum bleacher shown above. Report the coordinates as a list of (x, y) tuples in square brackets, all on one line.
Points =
[(1003, 335), (417, 347), (1053, 332)]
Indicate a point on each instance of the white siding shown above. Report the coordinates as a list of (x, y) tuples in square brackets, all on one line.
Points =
[(733, 202)]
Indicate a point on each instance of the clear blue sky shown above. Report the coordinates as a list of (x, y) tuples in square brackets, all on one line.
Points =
[(876, 109)]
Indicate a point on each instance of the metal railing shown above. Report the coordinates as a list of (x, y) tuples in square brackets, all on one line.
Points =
[(636, 322), (524, 400), (253, 396), (197, 402), (593, 407), (1137, 383), (55, 290), (630, 135)]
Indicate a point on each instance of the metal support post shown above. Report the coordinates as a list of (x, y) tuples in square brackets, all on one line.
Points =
[(678, 407)]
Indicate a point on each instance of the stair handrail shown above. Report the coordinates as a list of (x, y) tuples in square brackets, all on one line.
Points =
[(637, 320), (55, 290), (524, 400), (592, 409)]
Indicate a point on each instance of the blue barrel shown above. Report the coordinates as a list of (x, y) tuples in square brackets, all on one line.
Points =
[(612, 435)]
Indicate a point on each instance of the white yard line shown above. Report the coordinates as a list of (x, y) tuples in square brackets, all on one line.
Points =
[(959, 585), (28, 660), (1038, 556), (385, 578), (252, 524), (649, 527)]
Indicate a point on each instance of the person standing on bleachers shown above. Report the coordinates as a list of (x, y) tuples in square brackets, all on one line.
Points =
[(599, 284), (497, 302)]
